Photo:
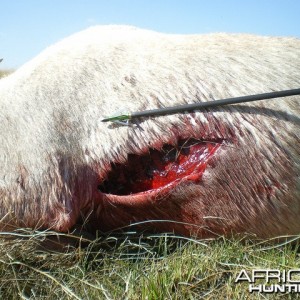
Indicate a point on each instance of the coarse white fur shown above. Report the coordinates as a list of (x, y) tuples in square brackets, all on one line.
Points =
[(54, 149)]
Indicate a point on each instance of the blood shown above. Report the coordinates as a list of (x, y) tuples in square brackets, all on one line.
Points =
[(157, 169)]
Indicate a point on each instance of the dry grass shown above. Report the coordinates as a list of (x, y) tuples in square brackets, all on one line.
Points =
[(4, 73), (132, 266)]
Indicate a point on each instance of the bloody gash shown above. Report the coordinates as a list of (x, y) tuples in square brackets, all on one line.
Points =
[(222, 171)]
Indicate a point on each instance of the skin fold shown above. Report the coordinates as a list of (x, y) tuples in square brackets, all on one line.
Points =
[(55, 151)]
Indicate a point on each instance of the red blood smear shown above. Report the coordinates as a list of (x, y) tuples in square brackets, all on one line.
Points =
[(159, 168)]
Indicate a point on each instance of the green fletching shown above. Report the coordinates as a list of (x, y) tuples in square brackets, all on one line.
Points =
[(116, 118)]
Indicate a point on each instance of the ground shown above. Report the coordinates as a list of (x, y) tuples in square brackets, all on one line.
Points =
[(132, 266)]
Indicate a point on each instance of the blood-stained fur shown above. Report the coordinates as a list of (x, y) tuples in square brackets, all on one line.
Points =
[(55, 152)]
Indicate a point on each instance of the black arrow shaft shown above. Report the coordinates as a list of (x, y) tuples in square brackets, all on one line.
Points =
[(201, 105)]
